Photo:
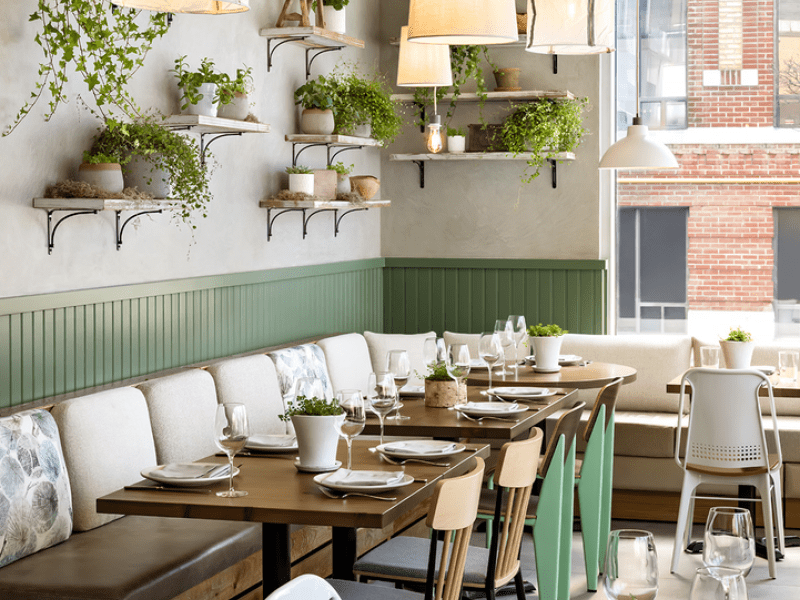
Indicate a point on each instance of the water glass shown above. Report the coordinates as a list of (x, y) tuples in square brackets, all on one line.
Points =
[(718, 583), (505, 331), (520, 335), (490, 350), (458, 363), (429, 352), (310, 387), (729, 540), (787, 365), (353, 418), (230, 435), (631, 569), (709, 356), (398, 363), (382, 395)]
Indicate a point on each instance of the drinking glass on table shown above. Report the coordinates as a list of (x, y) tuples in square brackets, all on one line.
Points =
[(505, 331), (718, 583), (490, 350), (520, 335), (429, 352), (729, 540), (631, 569), (353, 418), (399, 365), (382, 395), (458, 365), (230, 436), (787, 365), (709, 356)]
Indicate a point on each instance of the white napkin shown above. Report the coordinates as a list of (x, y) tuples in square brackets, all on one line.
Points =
[(192, 470), (350, 477), (274, 441), (484, 407), (421, 447)]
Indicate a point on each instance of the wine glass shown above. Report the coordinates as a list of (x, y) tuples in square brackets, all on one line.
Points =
[(352, 421), (520, 333), (429, 352), (309, 387), (631, 569), (441, 351), (490, 350), (230, 436), (729, 540), (718, 583), (505, 331), (458, 365), (382, 395), (399, 365)]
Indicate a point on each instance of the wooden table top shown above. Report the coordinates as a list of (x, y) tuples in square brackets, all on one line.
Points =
[(443, 423), (278, 493), (593, 375), (780, 389)]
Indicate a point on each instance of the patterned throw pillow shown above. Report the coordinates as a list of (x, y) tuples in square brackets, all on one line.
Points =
[(35, 498), (307, 360)]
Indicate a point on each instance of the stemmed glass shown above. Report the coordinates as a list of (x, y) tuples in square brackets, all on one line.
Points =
[(309, 387), (718, 583), (505, 331), (352, 421), (458, 365), (429, 352), (382, 395), (729, 540), (631, 569), (230, 436), (490, 350), (399, 365), (520, 332)]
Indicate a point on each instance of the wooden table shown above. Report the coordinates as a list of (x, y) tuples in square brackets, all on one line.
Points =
[(593, 375), (280, 496), (780, 389)]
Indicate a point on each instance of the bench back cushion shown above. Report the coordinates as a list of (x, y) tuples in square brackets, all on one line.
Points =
[(35, 497), (107, 441), (380, 344), (293, 363), (349, 364), (182, 408), (252, 381)]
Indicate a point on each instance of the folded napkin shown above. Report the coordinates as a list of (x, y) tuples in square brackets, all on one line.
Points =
[(275, 441), (485, 407), (350, 477), (193, 470), (421, 447)]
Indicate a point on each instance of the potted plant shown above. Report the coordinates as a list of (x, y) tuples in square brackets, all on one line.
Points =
[(737, 349), (333, 14), (546, 341), (103, 171), (456, 140), (233, 94), (314, 422), (342, 177), (441, 390), (301, 180), (199, 88), (363, 106), (316, 97), (544, 129), (507, 79)]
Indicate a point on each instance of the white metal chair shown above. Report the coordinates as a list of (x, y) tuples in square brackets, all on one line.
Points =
[(726, 444), (305, 587)]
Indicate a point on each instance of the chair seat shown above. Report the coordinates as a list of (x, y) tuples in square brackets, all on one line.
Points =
[(774, 463), (489, 500), (353, 590)]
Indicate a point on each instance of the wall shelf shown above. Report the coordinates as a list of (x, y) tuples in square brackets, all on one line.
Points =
[(216, 127), (421, 159), (342, 142), (520, 96), (315, 40), (91, 206), (315, 206)]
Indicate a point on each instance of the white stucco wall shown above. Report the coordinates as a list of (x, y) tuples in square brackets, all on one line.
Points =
[(233, 237)]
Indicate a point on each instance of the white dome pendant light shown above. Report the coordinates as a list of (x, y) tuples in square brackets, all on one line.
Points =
[(199, 7), (462, 22)]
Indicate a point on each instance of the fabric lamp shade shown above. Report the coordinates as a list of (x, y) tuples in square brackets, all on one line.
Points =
[(423, 65), (639, 151), (570, 26), (462, 22), (199, 7)]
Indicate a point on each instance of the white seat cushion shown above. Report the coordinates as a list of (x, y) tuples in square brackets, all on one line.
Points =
[(293, 363), (348, 361), (107, 441), (182, 408), (381, 343)]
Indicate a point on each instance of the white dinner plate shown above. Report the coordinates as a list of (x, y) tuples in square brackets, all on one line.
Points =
[(271, 443), (344, 487), (564, 360), (405, 449), (520, 393), (491, 409), (153, 474), (413, 390), (478, 363)]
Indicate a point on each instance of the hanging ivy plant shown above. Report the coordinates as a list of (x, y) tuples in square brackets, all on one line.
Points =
[(104, 45)]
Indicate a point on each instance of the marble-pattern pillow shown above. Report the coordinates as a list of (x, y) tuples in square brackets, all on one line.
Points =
[(307, 360), (35, 497)]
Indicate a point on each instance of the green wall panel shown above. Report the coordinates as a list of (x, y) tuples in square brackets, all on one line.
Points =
[(467, 295), (57, 343)]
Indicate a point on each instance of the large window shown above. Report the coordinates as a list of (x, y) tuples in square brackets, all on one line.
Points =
[(786, 246), (788, 63)]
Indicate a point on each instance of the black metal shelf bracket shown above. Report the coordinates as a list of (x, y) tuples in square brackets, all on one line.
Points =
[(337, 218), (421, 165), (204, 145), (51, 229), (271, 219), (553, 171), (338, 215), (318, 52), (296, 153), (306, 219), (121, 229), (271, 49), (338, 152), (555, 64)]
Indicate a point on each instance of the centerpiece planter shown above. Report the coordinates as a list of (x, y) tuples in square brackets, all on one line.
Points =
[(317, 440), (737, 349), (546, 340)]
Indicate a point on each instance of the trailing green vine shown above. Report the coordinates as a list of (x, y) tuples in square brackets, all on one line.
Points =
[(104, 46)]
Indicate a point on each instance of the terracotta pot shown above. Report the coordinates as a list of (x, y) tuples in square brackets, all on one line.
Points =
[(106, 176), (316, 121), (237, 109), (366, 185), (507, 79), (443, 394), (737, 354)]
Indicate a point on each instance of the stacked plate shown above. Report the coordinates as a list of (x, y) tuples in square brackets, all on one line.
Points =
[(564, 360), (491, 409), (512, 394)]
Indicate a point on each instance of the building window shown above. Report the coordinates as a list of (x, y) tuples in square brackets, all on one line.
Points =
[(787, 54), (652, 270), (786, 271)]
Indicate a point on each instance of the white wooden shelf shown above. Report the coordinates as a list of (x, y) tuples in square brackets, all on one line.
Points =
[(315, 40), (342, 142), (519, 96), (91, 206), (216, 127), (316, 206)]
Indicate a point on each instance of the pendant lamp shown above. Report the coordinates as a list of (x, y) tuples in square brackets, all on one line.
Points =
[(199, 7), (570, 26), (462, 22), (638, 150), (423, 65)]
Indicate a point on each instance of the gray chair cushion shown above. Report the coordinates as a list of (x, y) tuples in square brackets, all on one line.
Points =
[(352, 590)]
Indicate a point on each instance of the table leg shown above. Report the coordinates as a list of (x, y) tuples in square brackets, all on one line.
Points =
[(344, 552), (276, 558)]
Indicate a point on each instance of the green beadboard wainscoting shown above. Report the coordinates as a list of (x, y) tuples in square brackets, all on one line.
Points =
[(467, 295), (57, 343)]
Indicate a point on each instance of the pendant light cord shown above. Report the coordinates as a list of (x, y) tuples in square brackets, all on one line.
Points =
[(434, 97), (637, 119)]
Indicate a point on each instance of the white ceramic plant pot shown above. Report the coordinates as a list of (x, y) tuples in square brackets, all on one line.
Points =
[(456, 144), (302, 182), (317, 121), (737, 354), (106, 176), (364, 130), (547, 349), (317, 439), (206, 106), (142, 174), (238, 108), (343, 184), (335, 20)]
